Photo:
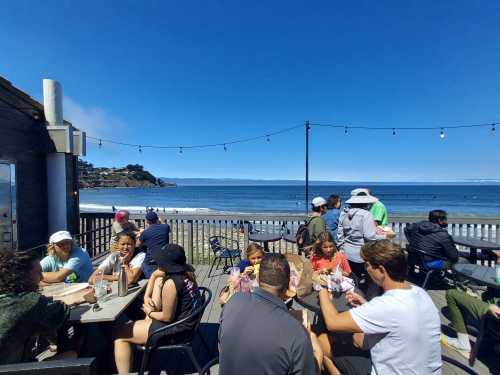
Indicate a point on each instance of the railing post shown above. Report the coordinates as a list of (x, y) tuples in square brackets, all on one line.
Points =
[(190, 241), (89, 241)]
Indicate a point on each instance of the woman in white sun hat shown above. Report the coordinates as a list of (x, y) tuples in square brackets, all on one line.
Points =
[(65, 261), (356, 226)]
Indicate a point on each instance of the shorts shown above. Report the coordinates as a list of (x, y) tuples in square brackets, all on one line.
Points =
[(172, 337)]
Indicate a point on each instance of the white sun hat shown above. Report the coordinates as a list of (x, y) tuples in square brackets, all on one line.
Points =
[(60, 236), (361, 196), (319, 201)]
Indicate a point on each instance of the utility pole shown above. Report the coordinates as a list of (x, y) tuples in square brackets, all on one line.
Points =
[(307, 128)]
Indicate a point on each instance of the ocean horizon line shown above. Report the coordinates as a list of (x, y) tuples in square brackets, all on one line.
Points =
[(297, 182)]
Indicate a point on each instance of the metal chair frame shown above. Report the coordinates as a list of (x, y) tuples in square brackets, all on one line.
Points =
[(461, 366), (483, 331), (221, 252), (423, 267), (209, 365), (152, 342)]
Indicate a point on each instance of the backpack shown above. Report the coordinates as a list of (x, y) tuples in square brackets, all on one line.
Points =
[(302, 237)]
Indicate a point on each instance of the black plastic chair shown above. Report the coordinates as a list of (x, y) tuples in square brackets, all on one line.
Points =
[(485, 329), (419, 258), (154, 339), (223, 253), (461, 366), (422, 257), (209, 365)]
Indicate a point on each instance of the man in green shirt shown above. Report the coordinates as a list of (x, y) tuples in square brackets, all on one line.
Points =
[(379, 213), (315, 223)]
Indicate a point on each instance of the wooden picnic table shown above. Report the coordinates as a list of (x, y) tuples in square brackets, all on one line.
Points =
[(110, 308)]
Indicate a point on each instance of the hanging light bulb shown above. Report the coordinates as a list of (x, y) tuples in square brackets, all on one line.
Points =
[(442, 133), (493, 128), (393, 131), (140, 149), (225, 148), (345, 130), (180, 150), (100, 143), (268, 139)]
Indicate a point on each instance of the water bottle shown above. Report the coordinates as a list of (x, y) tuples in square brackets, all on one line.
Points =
[(122, 282)]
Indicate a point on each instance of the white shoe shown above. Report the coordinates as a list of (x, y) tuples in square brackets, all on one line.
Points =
[(455, 345)]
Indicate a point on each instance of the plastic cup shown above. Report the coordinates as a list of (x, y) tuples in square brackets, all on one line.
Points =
[(101, 290)]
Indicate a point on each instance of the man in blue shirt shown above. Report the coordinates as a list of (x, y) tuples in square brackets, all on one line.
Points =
[(331, 217), (65, 261), (155, 235)]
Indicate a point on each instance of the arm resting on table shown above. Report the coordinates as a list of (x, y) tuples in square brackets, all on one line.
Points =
[(57, 276)]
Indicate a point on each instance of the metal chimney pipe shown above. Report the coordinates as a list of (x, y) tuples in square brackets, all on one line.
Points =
[(52, 102), (57, 162)]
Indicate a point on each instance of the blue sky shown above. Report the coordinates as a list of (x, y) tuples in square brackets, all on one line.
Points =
[(191, 72)]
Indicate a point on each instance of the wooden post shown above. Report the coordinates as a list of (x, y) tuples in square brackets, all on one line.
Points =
[(190, 242)]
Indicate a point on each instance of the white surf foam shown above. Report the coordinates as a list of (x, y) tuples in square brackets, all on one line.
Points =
[(138, 209)]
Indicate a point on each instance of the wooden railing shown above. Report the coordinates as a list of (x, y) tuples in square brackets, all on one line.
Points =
[(95, 232), (193, 230)]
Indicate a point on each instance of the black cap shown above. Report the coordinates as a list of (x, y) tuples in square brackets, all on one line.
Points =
[(171, 258), (151, 216)]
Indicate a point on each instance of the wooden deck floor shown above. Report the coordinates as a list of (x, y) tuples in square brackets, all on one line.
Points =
[(486, 363)]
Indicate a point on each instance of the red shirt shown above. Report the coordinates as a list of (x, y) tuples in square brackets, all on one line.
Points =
[(319, 263)]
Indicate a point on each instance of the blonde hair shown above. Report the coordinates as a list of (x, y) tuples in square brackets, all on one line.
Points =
[(323, 237), (253, 248), (51, 248)]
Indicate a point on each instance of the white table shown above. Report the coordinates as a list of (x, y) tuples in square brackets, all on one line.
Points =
[(111, 308)]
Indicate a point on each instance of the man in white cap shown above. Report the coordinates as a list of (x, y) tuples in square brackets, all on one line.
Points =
[(65, 261), (315, 223)]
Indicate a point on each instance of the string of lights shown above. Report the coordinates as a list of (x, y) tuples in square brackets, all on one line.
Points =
[(267, 136), (441, 129), (181, 148)]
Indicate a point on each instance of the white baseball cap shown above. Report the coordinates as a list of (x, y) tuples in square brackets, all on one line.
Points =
[(319, 201), (60, 236)]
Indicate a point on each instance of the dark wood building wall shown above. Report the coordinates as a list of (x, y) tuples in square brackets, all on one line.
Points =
[(24, 141)]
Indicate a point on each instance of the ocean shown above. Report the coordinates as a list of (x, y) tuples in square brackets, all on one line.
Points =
[(457, 200)]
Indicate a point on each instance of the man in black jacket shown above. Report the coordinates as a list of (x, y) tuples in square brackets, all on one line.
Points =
[(432, 238)]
